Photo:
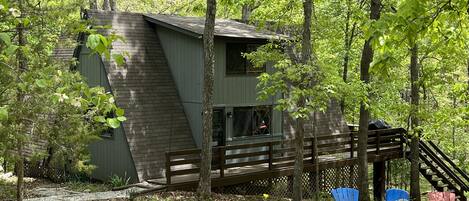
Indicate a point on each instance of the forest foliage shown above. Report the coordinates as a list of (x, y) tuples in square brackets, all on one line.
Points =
[(57, 104)]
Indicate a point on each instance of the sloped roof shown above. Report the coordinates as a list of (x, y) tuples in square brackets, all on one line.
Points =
[(223, 27), (145, 89)]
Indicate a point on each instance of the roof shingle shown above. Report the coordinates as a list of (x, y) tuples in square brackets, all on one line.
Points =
[(223, 27)]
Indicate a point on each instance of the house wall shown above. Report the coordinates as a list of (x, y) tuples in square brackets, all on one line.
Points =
[(110, 155), (240, 90), (185, 58)]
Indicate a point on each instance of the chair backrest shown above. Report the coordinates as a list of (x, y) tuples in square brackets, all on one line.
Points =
[(441, 196), (345, 194), (395, 194)]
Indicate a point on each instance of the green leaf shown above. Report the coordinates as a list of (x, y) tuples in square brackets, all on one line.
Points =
[(5, 38), (119, 58), (100, 119), (113, 122), (93, 41), (121, 118), (11, 50), (119, 112), (41, 83), (3, 113)]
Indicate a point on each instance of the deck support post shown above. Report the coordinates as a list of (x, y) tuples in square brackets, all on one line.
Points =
[(379, 178), (168, 168)]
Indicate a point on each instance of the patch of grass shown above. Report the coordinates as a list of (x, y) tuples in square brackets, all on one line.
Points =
[(89, 187), (117, 181)]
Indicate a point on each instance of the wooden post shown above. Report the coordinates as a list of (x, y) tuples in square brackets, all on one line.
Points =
[(352, 141), (222, 161), (271, 155), (378, 142), (379, 178), (168, 168)]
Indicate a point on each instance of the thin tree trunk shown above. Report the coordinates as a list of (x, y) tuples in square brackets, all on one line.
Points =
[(367, 58), (414, 145), (113, 5), (348, 38), (299, 133), (299, 152), (204, 189), (19, 171), (22, 67), (316, 157), (93, 4), (106, 5), (246, 13)]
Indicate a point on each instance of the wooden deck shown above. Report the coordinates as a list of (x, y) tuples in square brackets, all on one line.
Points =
[(236, 164)]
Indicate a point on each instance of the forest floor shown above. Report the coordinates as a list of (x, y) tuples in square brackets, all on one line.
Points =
[(44, 190)]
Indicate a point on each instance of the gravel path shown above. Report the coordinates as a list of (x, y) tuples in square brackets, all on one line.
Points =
[(63, 194)]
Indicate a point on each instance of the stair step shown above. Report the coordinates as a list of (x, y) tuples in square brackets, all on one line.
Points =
[(442, 185), (437, 179)]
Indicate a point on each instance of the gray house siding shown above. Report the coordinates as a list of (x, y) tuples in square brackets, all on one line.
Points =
[(238, 91), (185, 58), (110, 155), (145, 89)]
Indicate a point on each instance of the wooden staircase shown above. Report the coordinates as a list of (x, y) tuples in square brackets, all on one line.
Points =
[(442, 173)]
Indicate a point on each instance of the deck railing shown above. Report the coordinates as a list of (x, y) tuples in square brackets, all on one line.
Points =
[(279, 154)]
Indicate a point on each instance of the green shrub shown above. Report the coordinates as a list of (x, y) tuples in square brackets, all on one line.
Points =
[(117, 181)]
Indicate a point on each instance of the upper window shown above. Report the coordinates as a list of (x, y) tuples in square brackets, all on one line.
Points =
[(252, 121), (236, 63)]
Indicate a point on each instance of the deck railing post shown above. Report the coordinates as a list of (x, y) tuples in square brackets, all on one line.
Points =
[(168, 168), (271, 155), (378, 142), (313, 151), (352, 138), (222, 161)]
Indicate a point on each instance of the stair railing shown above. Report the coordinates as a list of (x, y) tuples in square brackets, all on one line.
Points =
[(450, 173), (447, 159)]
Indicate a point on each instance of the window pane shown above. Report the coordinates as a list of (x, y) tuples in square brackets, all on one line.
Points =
[(235, 63), (242, 118), (218, 127), (262, 120), (250, 69)]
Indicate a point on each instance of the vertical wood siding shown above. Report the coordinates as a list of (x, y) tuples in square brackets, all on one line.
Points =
[(145, 89), (185, 59), (110, 155)]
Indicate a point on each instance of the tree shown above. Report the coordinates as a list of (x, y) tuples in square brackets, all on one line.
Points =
[(300, 128), (367, 58), (415, 140), (22, 67), (204, 188), (113, 5), (93, 4), (106, 5), (39, 94)]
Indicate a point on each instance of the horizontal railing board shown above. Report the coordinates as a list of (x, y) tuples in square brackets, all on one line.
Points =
[(382, 144)]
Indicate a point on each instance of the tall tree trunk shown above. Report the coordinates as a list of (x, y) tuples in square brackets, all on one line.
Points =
[(414, 145), (246, 13), (106, 5), (315, 154), (299, 152), (299, 133), (349, 34), (22, 67), (367, 58), (93, 4), (113, 5), (204, 189)]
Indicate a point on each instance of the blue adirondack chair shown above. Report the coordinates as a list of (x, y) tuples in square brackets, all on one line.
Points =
[(345, 194), (395, 194)]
